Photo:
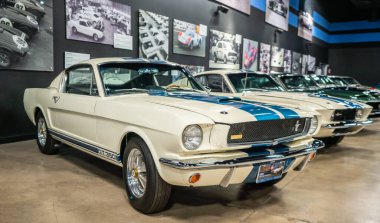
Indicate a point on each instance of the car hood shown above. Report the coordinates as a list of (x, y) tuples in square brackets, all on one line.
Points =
[(354, 95), (303, 100), (220, 109)]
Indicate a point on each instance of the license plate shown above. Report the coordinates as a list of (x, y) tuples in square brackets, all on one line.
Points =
[(270, 171)]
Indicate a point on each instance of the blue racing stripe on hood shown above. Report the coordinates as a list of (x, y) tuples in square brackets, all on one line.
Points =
[(347, 104), (286, 112), (260, 112)]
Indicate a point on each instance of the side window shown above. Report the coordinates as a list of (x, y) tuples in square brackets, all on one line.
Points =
[(216, 83), (81, 81), (82, 23), (202, 80), (219, 45)]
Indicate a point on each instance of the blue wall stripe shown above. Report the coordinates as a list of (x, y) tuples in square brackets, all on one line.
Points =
[(259, 4), (355, 38), (354, 25), (320, 34), (295, 4), (321, 21), (293, 19)]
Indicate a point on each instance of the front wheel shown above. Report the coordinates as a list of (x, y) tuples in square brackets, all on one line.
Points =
[(225, 59), (332, 141), (5, 58), (215, 58), (96, 38), (45, 142), (146, 190)]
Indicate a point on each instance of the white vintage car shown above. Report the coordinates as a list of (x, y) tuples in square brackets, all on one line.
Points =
[(223, 51), (339, 117), (153, 119), (86, 27)]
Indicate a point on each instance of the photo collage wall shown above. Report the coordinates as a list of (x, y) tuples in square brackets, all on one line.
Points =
[(109, 21)]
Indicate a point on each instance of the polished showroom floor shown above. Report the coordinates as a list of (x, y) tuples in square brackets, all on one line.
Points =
[(341, 185)]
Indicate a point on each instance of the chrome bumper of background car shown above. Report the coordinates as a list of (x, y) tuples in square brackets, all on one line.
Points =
[(348, 124), (207, 163)]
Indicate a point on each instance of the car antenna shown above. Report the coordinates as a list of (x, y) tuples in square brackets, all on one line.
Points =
[(245, 83)]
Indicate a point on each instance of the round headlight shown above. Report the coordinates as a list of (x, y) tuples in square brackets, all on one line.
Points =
[(313, 125), (359, 114), (192, 137)]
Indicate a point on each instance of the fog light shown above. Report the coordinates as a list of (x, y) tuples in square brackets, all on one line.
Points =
[(194, 178), (312, 156)]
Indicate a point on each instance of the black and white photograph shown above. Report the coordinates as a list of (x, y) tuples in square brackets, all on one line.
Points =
[(277, 59), (26, 35), (304, 64), (194, 69), (296, 63), (305, 25), (97, 21), (224, 50), (287, 61), (311, 63), (153, 36), (250, 54), (188, 39), (277, 13), (264, 57), (240, 5)]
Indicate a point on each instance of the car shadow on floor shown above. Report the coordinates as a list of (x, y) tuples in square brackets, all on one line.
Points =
[(241, 196)]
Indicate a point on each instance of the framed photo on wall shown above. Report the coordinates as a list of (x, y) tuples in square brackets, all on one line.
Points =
[(224, 50), (189, 39), (305, 25), (240, 5), (264, 57), (277, 59), (296, 63), (287, 61), (277, 13), (153, 36), (250, 54)]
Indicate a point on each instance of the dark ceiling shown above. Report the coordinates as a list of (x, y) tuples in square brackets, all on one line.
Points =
[(350, 10)]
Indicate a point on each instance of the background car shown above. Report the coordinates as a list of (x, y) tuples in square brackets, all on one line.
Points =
[(189, 39), (21, 21), (279, 7), (32, 6)]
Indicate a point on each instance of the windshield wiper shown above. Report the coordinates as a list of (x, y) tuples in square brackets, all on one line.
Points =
[(184, 89), (132, 90)]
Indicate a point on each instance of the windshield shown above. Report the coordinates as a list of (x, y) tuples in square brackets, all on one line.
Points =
[(127, 78), (298, 82), (338, 81), (255, 82), (323, 80), (350, 80)]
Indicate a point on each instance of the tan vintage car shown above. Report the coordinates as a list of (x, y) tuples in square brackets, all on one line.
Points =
[(339, 117), (157, 122)]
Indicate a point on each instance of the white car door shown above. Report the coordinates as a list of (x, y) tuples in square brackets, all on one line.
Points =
[(72, 110)]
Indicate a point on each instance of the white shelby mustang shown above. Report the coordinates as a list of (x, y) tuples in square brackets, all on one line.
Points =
[(157, 122)]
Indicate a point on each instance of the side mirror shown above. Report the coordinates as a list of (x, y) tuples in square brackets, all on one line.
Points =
[(208, 89)]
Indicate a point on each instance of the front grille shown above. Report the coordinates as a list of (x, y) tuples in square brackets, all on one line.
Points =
[(232, 54), (263, 131), (344, 115), (375, 105)]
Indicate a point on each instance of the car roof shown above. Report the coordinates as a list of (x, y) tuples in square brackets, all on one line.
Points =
[(105, 60), (229, 71)]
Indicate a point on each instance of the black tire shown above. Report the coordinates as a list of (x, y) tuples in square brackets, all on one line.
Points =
[(225, 59), (96, 38), (48, 147), (191, 47), (215, 58), (157, 191), (28, 31), (5, 58), (332, 141), (272, 182), (74, 29)]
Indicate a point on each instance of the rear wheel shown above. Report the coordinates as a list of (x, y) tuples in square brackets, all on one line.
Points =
[(45, 142), (96, 38), (332, 141), (215, 58), (74, 30), (5, 58), (225, 59), (146, 190)]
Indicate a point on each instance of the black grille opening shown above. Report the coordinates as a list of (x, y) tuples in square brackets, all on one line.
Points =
[(344, 115), (375, 105), (261, 131)]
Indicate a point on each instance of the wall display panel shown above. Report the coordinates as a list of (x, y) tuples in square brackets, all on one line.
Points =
[(240, 5), (97, 21), (277, 13), (224, 50), (304, 64), (153, 36), (188, 39), (296, 63), (250, 54), (287, 61), (311, 63), (264, 57), (305, 25), (277, 58), (194, 69), (27, 38)]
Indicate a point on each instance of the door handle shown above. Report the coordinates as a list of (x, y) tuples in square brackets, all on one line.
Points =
[(56, 99)]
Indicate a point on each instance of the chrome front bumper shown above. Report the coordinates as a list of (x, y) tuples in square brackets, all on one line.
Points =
[(348, 124), (214, 163)]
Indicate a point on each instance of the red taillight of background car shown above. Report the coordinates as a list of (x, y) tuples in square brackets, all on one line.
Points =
[(180, 34), (188, 40)]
